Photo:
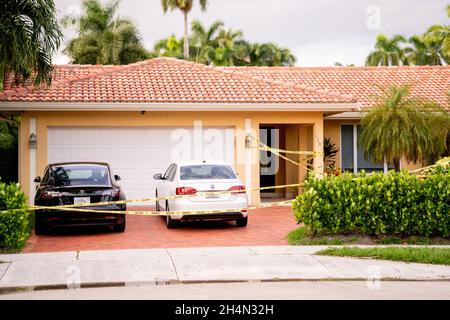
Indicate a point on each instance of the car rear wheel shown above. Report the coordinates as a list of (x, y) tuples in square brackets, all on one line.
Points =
[(242, 222), (170, 223), (120, 227), (39, 226)]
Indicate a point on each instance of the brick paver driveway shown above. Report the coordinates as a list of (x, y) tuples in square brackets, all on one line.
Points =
[(267, 226)]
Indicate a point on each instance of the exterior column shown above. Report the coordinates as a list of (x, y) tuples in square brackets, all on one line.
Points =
[(302, 146), (252, 161), (33, 163), (318, 147)]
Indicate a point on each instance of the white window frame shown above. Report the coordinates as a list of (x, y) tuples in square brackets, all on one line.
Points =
[(355, 147)]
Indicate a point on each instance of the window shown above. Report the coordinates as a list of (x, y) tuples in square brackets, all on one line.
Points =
[(81, 175), (46, 178), (200, 172), (352, 156)]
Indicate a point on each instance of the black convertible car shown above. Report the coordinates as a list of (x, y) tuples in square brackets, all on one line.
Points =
[(78, 183)]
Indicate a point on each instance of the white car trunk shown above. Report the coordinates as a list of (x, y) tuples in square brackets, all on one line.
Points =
[(210, 190)]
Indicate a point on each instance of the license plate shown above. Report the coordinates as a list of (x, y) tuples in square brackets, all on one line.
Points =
[(212, 195), (81, 200)]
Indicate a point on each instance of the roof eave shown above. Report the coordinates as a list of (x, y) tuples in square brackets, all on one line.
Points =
[(137, 106)]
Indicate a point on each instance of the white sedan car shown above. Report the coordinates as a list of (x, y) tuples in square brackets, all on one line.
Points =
[(208, 179)]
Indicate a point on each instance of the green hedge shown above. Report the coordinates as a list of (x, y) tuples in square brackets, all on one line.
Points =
[(15, 219), (394, 203)]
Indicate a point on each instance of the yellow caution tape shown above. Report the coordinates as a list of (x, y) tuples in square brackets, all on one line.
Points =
[(442, 162), (159, 198), (277, 152), (265, 147), (308, 153), (166, 213)]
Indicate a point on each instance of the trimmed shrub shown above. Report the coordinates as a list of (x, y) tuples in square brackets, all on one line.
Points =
[(394, 203), (14, 217)]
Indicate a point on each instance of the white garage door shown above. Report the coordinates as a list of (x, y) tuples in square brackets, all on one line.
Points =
[(136, 154)]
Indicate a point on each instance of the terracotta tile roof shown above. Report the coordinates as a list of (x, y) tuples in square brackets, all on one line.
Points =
[(167, 80), (432, 82)]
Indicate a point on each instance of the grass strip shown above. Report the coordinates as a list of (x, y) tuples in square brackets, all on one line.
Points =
[(408, 254)]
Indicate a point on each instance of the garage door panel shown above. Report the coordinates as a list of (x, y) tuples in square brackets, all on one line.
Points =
[(136, 154)]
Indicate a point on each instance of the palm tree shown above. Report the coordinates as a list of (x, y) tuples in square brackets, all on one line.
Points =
[(263, 54), (185, 6), (423, 51), (204, 40), (169, 47), (339, 64), (441, 33), (221, 47), (402, 126), (273, 55), (103, 37), (329, 153), (224, 52), (388, 52), (29, 35)]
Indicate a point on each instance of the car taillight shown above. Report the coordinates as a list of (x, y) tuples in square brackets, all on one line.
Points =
[(115, 193), (185, 190), (236, 189), (50, 194)]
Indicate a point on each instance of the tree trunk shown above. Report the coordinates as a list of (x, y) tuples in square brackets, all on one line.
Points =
[(2, 78), (397, 164), (186, 36)]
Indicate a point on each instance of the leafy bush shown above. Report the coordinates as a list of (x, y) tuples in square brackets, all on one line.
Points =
[(14, 217), (394, 203)]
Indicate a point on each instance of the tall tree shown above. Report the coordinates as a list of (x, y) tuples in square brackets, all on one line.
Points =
[(103, 36), (29, 35), (225, 50), (401, 125), (224, 47), (185, 6), (270, 54), (204, 40), (441, 33), (388, 51), (169, 47), (423, 51)]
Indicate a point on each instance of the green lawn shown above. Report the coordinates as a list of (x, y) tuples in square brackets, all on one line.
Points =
[(300, 236), (409, 254)]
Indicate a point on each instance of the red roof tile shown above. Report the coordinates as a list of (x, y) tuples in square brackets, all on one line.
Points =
[(166, 80), (363, 83)]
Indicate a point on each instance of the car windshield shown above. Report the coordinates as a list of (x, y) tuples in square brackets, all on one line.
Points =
[(202, 172), (81, 175)]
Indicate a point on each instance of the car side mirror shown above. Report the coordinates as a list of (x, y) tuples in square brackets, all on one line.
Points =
[(37, 179), (117, 177), (158, 176)]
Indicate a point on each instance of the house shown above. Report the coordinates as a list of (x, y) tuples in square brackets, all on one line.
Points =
[(140, 116)]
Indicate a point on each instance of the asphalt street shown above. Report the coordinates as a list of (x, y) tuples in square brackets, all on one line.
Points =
[(263, 290)]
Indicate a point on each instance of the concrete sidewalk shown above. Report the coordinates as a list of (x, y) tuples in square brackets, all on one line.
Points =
[(35, 271)]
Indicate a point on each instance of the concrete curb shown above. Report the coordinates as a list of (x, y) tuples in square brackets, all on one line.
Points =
[(9, 290)]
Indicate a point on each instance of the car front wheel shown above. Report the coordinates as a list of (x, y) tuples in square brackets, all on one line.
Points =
[(157, 207), (170, 223)]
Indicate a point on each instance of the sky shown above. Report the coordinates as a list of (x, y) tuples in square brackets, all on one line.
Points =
[(318, 32)]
